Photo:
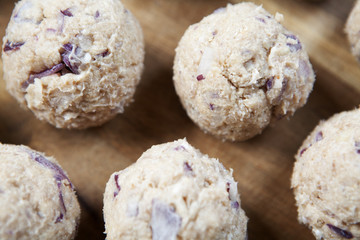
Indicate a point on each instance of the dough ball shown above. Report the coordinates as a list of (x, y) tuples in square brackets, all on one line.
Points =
[(37, 199), (73, 63), (239, 69), (173, 192), (352, 29), (326, 178)]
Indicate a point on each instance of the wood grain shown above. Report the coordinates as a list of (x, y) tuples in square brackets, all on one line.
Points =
[(262, 165)]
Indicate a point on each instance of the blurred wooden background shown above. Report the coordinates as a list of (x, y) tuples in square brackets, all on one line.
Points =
[(262, 165)]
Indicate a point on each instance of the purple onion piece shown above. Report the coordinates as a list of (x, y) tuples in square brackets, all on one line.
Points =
[(53, 70), (165, 223), (59, 175), (293, 47), (214, 33), (270, 83), (62, 204), (118, 188), (291, 36), (235, 205), (188, 169), (77, 51), (52, 30), (68, 47), (59, 218), (228, 188), (103, 54), (343, 233), (357, 147), (260, 19), (67, 12), (178, 148), (72, 67), (319, 136), (97, 14), (10, 46), (211, 107), (302, 151), (200, 77)]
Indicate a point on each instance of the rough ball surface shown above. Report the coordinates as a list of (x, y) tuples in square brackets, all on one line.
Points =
[(326, 178), (73, 63), (239, 69), (352, 29), (37, 199), (173, 192)]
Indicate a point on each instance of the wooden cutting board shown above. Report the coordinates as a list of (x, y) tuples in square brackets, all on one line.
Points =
[(262, 165)]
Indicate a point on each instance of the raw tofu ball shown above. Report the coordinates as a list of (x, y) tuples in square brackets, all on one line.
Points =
[(173, 192), (73, 63), (352, 29), (239, 69), (37, 199), (326, 178)]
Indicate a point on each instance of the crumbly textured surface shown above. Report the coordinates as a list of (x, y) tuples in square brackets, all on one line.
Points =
[(173, 192), (74, 63), (326, 178), (37, 199), (352, 29), (239, 69)]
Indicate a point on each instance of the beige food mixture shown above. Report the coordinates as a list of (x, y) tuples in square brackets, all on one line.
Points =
[(173, 192), (73, 63), (37, 199), (352, 29), (326, 178), (239, 69)]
